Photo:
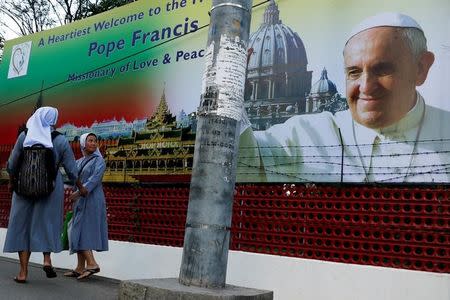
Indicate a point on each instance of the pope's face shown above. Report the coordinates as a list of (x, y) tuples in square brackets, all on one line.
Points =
[(381, 76)]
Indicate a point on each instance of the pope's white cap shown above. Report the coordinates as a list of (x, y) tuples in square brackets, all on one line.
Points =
[(389, 19)]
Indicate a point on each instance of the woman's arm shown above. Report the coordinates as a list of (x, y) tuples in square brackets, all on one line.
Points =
[(98, 167), (14, 157), (14, 160)]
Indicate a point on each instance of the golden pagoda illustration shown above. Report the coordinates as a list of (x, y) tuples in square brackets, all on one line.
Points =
[(162, 152)]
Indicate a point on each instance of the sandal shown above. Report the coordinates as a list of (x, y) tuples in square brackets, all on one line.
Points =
[(20, 280), (49, 271), (72, 273), (88, 273)]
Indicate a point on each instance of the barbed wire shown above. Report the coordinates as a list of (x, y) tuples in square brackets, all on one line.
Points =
[(440, 171), (419, 173), (417, 153), (303, 162), (350, 145), (274, 163)]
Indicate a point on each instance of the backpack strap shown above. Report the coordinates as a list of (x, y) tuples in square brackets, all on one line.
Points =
[(54, 134), (84, 164)]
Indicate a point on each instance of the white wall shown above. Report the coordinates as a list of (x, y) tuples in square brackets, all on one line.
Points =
[(289, 278)]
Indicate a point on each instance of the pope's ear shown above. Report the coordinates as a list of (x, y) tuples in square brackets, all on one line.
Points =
[(424, 64)]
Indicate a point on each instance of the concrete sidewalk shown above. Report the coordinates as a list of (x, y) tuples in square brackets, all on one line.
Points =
[(39, 287)]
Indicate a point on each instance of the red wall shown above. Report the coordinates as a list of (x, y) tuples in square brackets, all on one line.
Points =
[(398, 227)]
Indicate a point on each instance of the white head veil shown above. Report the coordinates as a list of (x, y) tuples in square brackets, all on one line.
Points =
[(83, 138), (39, 127)]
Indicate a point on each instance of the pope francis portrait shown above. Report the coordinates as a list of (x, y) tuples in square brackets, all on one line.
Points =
[(388, 134)]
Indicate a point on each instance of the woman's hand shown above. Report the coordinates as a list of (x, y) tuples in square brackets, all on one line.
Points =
[(74, 196), (83, 191)]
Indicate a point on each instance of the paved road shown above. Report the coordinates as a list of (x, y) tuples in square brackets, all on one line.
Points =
[(60, 288)]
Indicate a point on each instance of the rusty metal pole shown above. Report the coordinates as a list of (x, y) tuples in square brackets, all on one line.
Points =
[(207, 237)]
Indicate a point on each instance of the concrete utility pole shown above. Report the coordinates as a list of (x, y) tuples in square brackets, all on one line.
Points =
[(207, 237), (206, 242)]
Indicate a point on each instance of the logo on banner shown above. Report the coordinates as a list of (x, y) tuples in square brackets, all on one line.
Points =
[(18, 66)]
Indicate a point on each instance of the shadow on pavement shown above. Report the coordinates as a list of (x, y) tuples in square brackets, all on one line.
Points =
[(39, 287)]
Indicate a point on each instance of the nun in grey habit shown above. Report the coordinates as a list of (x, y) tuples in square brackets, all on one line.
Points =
[(35, 224), (89, 229)]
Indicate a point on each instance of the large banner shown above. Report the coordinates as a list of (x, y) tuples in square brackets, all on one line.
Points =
[(322, 105)]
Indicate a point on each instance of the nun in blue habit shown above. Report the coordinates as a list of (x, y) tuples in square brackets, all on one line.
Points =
[(89, 229), (35, 224)]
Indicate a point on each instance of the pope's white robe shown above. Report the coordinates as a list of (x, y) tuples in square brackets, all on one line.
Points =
[(333, 148)]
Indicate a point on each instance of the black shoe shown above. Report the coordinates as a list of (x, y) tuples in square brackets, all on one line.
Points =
[(49, 271), (20, 280)]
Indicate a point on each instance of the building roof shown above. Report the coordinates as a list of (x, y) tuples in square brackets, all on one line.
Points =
[(275, 43), (324, 85)]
